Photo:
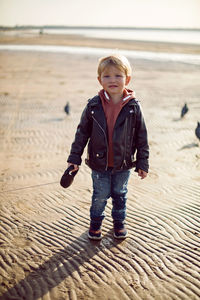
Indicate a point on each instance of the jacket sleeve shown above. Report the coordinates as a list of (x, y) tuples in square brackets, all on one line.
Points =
[(142, 146), (82, 135)]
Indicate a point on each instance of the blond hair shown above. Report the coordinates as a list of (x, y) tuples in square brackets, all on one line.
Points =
[(119, 61)]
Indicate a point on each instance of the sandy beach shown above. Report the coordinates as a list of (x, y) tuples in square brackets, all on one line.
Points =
[(44, 249)]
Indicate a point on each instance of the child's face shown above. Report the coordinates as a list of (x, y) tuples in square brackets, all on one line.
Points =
[(113, 80)]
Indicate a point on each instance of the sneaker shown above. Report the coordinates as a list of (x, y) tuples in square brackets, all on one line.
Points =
[(94, 232), (120, 231)]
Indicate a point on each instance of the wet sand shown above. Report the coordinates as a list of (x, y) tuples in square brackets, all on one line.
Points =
[(44, 249), (32, 38)]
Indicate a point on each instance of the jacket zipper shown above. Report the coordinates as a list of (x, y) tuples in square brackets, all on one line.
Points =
[(124, 159), (105, 140)]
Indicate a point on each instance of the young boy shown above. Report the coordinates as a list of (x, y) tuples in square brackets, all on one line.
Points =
[(113, 125)]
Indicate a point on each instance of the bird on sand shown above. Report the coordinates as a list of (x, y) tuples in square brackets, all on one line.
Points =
[(67, 108), (197, 130), (184, 110)]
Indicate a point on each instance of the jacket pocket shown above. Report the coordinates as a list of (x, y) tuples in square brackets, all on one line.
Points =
[(99, 155)]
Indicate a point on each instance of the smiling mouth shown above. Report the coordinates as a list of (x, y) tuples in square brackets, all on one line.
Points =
[(112, 86)]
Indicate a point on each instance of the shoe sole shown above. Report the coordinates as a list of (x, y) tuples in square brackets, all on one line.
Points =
[(97, 238), (120, 237)]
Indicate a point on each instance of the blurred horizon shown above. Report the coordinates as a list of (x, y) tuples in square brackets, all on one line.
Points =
[(153, 14), (171, 35), (50, 26)]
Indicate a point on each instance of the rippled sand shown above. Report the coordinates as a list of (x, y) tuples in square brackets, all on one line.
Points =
[(44, 249)]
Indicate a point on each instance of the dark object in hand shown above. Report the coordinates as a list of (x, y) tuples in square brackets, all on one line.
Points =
[(68, 177)]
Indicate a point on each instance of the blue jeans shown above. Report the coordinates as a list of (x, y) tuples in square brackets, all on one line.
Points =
[(108, 184)]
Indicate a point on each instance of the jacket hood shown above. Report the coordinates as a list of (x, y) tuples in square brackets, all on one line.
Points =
[(127, 96)]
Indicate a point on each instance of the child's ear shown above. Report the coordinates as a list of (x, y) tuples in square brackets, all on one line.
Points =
[(99, 79), (128, 78)]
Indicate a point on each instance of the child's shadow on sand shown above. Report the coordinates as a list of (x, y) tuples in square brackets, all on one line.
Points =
[(60, 266)]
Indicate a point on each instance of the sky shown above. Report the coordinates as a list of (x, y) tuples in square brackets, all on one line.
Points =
[(132, 13)]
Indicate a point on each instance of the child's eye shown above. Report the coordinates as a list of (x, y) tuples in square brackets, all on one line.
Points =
[(118, 75), (106, 76)]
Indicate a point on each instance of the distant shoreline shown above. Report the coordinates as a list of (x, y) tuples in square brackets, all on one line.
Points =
[(28, 27)]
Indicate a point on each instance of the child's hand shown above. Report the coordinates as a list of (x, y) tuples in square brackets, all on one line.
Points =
[(142, 174), (76, 167)]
